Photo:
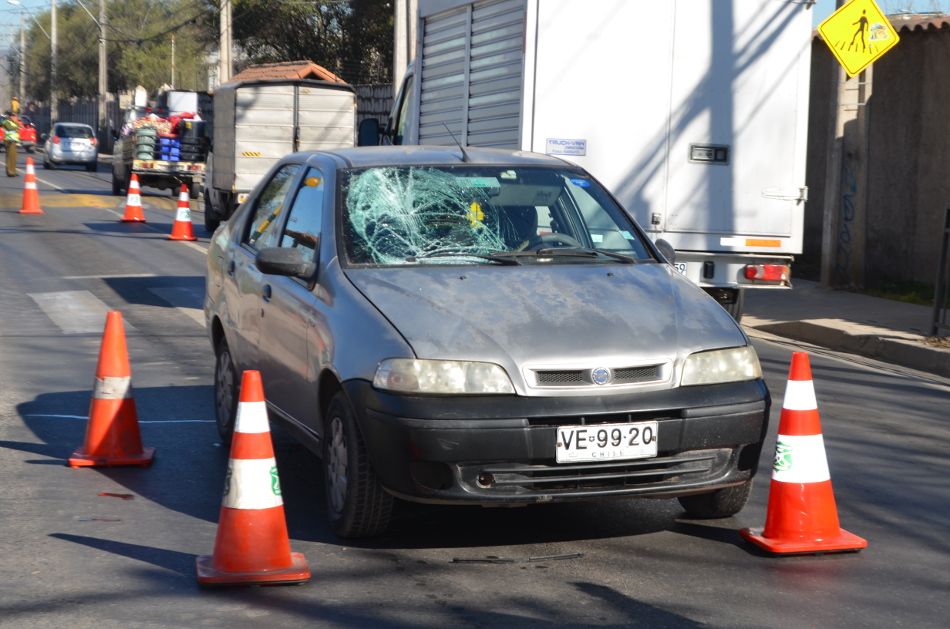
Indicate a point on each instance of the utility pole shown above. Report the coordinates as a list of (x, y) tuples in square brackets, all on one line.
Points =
[(22, 63), (173, 61), (225, 68), (103, 77), (404, 39), (846, 180), (53, 115)]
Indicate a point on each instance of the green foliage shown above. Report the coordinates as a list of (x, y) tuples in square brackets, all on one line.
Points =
[(351, 38), (138, 45)]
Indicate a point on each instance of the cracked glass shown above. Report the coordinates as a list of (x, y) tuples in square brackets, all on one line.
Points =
[(482, 215)]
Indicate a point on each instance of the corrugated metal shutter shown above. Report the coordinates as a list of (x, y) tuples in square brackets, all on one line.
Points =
[(494, 92), (471, 75)]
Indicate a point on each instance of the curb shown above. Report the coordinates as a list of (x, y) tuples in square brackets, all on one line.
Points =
[(899, 348)]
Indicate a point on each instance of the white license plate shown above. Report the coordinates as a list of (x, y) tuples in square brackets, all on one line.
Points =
[(681, 267), (606, 442)]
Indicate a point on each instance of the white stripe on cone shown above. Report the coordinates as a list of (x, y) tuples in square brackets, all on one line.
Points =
[(800, 460), (252, 484), (800, 396), (112, 388), (251, 418)]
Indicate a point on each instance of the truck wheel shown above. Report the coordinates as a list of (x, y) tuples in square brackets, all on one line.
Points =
[(116, 185), (211, 223), (225, 391), (194, 190), (357, 504), (731, 299), (722, 503)]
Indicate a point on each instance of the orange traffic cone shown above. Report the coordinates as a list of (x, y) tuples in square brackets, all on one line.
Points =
[(181, 230), (133, 202), (112, 434), (31, 197), (802, 517), (252, 546)]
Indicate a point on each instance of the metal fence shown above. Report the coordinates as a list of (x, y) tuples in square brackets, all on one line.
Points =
[(86, 112), (942, 289)]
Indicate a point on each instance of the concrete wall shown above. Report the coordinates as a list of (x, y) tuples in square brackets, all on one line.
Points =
[(909, 153)]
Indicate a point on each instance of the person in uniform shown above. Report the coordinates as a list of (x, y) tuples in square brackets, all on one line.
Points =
[(11, 130)]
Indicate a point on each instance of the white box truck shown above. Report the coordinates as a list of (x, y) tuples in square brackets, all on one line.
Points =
[(692, 112), (258, 122)]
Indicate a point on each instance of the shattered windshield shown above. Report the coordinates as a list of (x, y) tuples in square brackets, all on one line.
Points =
[(480, 215)]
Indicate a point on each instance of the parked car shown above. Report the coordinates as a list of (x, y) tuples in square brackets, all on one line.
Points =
[(71, 143), (27, 134), (482, 327)]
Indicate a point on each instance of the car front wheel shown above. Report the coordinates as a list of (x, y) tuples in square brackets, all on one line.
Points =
[(357, 504), (225, 391), (722, 503)]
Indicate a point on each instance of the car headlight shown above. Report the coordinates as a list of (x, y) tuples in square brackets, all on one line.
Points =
[(446, 377), (722, 365)]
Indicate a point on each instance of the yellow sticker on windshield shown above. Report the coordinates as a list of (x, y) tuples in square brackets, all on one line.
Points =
[(475, 215)]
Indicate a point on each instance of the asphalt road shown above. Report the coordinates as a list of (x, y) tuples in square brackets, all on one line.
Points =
[(71, 556)]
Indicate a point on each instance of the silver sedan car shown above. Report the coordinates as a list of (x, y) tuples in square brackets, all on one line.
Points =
[(477, 327), (71, 143)]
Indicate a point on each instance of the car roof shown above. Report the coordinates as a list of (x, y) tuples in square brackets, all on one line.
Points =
[(375, 156), (73, 124)]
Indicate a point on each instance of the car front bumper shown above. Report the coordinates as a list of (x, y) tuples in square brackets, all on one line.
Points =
[(501, 450)]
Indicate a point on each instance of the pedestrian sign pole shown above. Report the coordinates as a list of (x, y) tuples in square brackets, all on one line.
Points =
[(858, 34)]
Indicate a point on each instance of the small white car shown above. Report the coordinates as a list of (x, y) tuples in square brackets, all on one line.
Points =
[(71, 143)]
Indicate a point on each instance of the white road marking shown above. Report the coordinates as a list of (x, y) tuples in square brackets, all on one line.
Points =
[(76, 311), (179, 295), (158, 421), (107, 276)]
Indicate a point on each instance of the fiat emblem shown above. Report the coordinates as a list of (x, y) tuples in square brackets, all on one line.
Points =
[(601, 375)]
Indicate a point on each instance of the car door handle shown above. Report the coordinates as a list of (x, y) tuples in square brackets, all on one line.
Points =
[(266, 292), (230, 268)]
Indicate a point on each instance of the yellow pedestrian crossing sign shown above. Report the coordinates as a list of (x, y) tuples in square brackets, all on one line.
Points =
[(858, 34)]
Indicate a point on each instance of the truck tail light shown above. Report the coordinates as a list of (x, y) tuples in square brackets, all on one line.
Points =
[(768, 272)]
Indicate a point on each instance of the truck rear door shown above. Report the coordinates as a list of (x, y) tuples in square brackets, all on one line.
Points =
[(326, 118), (263, 130)]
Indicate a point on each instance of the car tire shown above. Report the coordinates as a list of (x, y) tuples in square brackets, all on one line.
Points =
[(226, 391), (92, 167), (29, 149), (722, 503), (357, 504), (48, 165)]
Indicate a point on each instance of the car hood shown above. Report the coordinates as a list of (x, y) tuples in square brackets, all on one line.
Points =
[(548, 315)]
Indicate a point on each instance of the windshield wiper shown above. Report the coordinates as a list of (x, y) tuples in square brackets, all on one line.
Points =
[(582, 252), (460, 254)]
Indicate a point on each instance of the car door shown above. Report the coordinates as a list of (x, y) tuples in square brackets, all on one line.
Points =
[(289, 308), (246, 283)]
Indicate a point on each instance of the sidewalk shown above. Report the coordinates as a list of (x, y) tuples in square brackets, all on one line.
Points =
[(891, 331)]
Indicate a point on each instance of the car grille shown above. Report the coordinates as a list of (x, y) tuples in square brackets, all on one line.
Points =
[(655, 473), (583, 377)]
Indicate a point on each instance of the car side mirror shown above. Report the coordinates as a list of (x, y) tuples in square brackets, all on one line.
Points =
[(667, 250), (368, 134), (44, 136), (288, 261)]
